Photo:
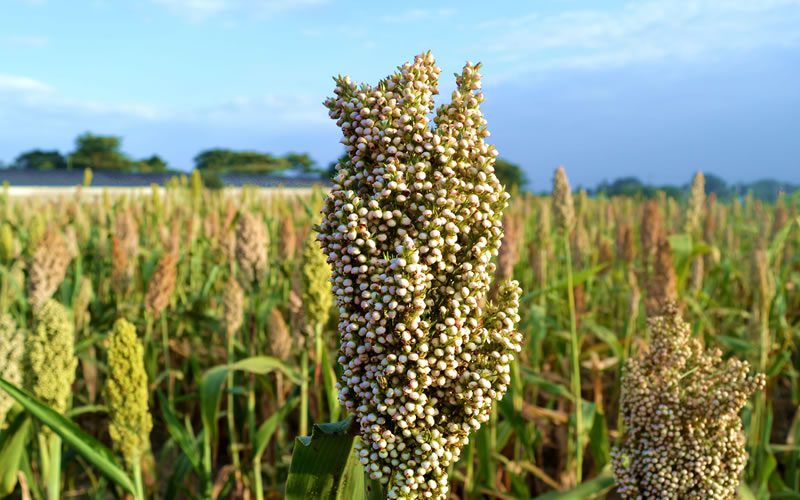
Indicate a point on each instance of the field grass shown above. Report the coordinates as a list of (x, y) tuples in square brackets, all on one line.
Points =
[(237, 367)]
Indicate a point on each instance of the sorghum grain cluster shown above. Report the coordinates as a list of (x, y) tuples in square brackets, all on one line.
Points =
[(410, 229), (126, 393), (680, 405)]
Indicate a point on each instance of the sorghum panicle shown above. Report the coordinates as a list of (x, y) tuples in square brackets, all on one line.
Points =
[(697, 201), (651, 231), (410, 229), (563, 206), (680, 404), (662, 283), (279, 337), (48, 267), (162, 284), (316, 284), (251, 248), (49, 360), (126, 393), (232, 306), (11, 349)]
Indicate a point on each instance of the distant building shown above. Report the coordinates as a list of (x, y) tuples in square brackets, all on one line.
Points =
[(100, 178)]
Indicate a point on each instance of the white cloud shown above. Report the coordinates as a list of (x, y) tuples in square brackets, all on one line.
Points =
[(270, 112), (199, 10), (21, 84), (26, 93), (641, 32)]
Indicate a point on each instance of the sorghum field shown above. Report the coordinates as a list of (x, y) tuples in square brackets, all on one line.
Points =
[(175, 345)]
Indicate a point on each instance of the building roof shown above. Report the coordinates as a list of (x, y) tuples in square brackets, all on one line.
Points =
[(68, 178)]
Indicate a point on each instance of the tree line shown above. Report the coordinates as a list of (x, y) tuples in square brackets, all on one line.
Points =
[(104, 152)]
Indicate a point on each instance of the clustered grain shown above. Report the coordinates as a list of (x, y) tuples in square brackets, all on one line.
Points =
[(680, 405), (412, 224)]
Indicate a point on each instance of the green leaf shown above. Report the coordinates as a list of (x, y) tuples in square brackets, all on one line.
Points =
[(12, 445), (214, 378), (552, 387), (329, 378), (324, 464), (598, 441), (577, 279), (267, 429), (185, 440), (778, 242), (88, 447), (606, 335), (587, 489)]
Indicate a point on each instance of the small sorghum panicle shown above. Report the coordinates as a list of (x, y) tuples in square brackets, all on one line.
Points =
[(49, 360), (697, 202), (411, 226), (232, 306), (680, 404), (11, 348), (316, 284), (126, 393), (48, 267), (161, 284), (563, 206), (280, 339), (251, 248)]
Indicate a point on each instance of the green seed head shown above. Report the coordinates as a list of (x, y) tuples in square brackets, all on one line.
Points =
[(317, 297), (49, 360), (126, 393)]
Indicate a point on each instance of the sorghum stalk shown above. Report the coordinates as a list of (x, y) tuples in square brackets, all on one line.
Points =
[(159, 294), (565, 221), (766, 292), (316, 294), (233, 317), (410, 229), (683, 435)]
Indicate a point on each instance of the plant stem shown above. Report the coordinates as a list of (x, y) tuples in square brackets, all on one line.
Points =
[(231, 414), (54, 472), (576, 367), (257, 478), (304, 393), (137, 479), (165, 348)]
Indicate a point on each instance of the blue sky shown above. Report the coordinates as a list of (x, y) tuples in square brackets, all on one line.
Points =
[(654, 88)]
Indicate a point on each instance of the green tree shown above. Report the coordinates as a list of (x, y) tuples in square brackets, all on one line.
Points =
[(38, 159), (301, 162), (99, 152), (153, 164), (226, 160), (509, 174)]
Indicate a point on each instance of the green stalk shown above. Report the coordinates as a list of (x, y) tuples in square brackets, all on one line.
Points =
[(318, 386), (165, 348), (304, 393), (257, 478), (137, 478), (231, 416), (576, 368), (758, 422), (54, 471)]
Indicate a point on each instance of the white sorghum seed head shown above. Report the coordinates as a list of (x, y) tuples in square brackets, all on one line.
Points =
[(411, 228), (11, 348)]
